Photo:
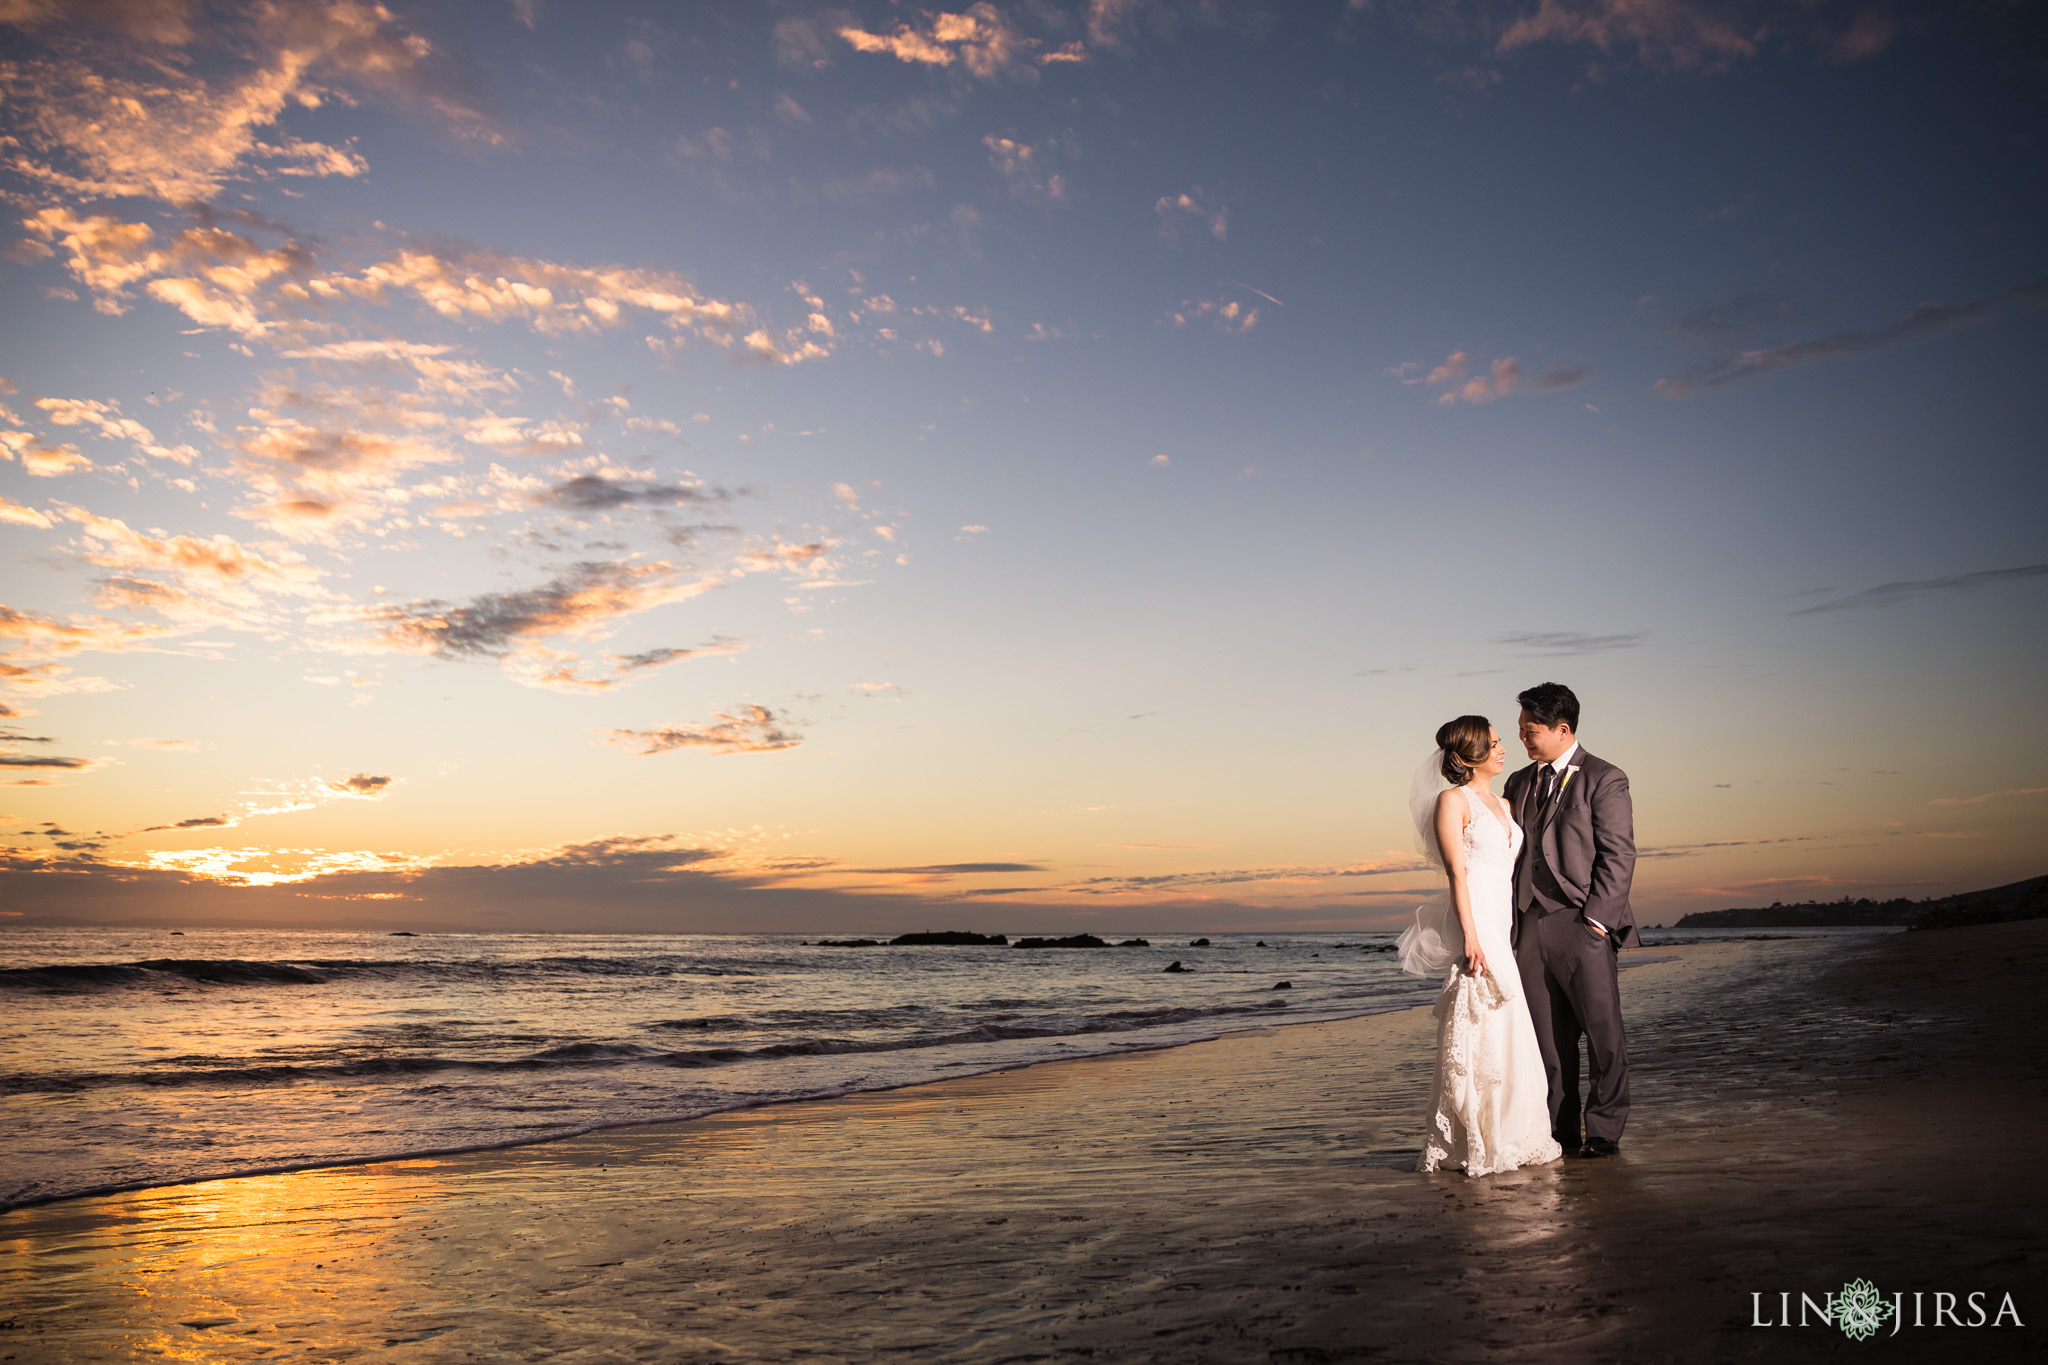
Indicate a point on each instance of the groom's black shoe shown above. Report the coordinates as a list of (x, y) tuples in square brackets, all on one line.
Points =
[(1599, 1146)]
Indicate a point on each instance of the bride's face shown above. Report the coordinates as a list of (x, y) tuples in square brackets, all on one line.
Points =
[(1496, 757)]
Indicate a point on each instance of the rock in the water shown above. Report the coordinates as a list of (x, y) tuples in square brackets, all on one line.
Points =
[(1174, 966), (401, 933), (1260, 944), (1071, 941), (950, 938), (1135, 943), (1199, 943), (1283, 986), (848, 943)]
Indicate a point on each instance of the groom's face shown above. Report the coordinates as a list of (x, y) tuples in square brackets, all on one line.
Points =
[(1545, 743)]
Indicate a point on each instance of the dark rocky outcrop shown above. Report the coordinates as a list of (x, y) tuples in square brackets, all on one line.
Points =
[(1135, 943), (1283, 985), (949, 938), (848, 943), (401, 933), (1174, 966), (1070, 941), (1199, 943)]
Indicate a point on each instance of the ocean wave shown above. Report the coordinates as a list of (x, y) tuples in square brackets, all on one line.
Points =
[(156, 971), (588, 1054), (72, 978)]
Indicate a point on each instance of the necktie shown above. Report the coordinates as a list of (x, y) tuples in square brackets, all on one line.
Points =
[(1525, 870)]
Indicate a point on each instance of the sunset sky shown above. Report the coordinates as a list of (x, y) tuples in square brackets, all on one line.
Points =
[(1047, 464)]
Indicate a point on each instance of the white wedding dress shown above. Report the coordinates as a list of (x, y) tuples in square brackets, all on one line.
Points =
[(1489, 1107)]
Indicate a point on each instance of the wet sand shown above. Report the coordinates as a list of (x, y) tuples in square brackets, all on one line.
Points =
[(1807, 1112)]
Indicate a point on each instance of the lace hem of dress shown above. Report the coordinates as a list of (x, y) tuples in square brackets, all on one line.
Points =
[(1457, 1139), (1541, 1153)]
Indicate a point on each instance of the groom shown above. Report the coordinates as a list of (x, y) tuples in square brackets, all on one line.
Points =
[(1572, 915)]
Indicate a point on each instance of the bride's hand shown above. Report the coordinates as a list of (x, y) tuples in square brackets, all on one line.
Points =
[(1475, 960)]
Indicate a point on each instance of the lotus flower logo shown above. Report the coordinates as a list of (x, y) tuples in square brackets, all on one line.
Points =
[(1860, 1310)]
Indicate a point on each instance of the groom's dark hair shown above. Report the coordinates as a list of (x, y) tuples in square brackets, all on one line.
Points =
[(1550, 703)]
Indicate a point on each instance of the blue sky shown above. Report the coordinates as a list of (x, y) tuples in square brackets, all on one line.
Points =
[(849, 466)]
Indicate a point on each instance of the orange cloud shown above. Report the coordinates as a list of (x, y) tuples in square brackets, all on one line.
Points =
[(314, 479), (210, 573), (582, 600), (215, 277), (99, 118), (1017, 163), (1497, 380), (756, 729), (40, 636), (45, 462), (1172, 208), (18, 515), (556, 670), (485, 286), (1228, 316), (107, 419), (30, 643), (437, 369), (980, 39), (222, 279), (255, 867)]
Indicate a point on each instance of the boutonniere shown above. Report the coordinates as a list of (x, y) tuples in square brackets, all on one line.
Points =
[(1571, 771)]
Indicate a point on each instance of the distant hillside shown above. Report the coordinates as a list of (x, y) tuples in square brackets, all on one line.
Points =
[(1808, 915), (2021, 900)]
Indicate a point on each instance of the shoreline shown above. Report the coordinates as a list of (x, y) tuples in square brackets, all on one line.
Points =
[(431, 1153), (1807, 1111), (1640, 956)]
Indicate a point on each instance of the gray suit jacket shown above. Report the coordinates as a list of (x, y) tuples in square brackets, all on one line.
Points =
[(1588, 840)]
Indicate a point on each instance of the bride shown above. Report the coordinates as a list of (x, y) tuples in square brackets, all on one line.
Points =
[(1489, 1106)]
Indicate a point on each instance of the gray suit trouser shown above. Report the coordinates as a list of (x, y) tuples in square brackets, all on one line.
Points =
[(1571, 979)]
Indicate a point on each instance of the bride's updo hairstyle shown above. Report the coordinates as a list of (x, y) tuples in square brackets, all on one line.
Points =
[(1466, 742)]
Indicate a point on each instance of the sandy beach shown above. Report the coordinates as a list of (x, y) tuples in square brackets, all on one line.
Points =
[(1807, 1112)]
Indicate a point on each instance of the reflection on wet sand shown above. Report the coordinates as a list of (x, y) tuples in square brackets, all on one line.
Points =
[(1797, 1123)]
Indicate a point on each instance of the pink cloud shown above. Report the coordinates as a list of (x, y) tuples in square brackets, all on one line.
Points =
[(1672, 34)]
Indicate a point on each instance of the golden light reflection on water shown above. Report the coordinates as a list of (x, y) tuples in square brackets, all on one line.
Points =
[(225, 1269)]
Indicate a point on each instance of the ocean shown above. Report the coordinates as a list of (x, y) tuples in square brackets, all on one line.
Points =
[(139, 1057)]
